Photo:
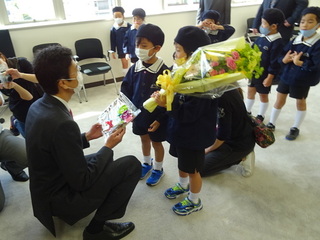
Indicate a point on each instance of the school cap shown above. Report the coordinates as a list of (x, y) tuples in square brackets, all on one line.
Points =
[(210, 14), (191, 37), (273, 16), (118, 9), (139, 12), (313, 10), (151, 32)]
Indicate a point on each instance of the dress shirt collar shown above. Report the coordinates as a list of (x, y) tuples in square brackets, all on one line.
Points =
[(65, 103)]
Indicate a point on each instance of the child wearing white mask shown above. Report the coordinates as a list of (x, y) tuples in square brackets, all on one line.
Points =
[(129, 42), (118, 31), (270, 44), (138, 86), (301, 60)]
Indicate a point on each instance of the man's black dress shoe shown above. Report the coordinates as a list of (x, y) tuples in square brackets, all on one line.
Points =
[(111, 230), (20, 177)]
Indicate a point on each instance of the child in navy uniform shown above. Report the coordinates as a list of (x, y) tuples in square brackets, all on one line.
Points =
[(138, 85), (191, 128), (301, 59), (118, 31), (270, 44), (210, 24), (129, 43)]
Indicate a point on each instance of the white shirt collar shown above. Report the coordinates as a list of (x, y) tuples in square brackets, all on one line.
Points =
[(154, 68), (65, 103), (124, 24), (309, 42), (273, 37)]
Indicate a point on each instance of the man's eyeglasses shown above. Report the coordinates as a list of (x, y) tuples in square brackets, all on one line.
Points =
[(76, 78)]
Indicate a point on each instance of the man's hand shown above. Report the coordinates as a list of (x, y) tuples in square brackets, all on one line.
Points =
[(115, 137), (114, 55), (95, 132), (286, 23)]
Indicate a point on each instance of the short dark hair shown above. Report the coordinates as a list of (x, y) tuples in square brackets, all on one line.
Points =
[(50, 65), (312, 10), (151, 32), (118, 9), (139, 12)]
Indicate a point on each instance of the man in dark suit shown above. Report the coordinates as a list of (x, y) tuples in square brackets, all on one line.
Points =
[(63, 181), (291, 9), (221, 6)]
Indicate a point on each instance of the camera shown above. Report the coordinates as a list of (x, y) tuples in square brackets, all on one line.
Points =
[(5, 78)]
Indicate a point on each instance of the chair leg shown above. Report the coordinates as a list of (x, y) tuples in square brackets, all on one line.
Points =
[(79, 97), (115, 82), (85, 93)]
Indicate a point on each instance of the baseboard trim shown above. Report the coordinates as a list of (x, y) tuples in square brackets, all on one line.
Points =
[(100, 83)]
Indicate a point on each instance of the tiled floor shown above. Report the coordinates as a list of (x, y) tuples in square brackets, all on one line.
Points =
[(280, 201)]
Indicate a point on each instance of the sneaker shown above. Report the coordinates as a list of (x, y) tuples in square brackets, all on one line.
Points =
[(248, 165), (173, 192), (260, 118), (271, 126), (155, 177), (13, 129), (186, 207), (293, 134), (146, 169)]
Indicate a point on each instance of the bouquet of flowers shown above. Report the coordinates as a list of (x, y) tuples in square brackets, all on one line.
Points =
[(119, 113), (210, 71)]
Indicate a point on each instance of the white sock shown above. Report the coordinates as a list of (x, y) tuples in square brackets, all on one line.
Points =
[(300, 115), (194, 197), (125, 70), (157, 165), (184, 182), (249, 104), (274, 115), (147, 159), (263, 107)]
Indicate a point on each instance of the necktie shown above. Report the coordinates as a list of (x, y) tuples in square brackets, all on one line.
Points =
[(273, 2), (71, 113)]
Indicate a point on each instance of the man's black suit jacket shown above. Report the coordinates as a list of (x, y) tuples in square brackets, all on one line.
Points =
[(59, 171)]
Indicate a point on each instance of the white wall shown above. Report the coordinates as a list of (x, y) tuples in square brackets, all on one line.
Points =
[(66, 34)]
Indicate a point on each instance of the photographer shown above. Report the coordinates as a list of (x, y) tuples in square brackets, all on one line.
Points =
[(18, 103), (13, 158)]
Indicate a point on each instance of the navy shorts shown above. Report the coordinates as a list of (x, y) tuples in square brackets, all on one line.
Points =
[(121, 55), (157, 136), (257, 83), (297, 92), (189, 161)]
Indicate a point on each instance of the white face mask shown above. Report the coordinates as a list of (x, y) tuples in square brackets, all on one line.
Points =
[(118, 20), (79, 79), (77, 89), (3, 66), (143, 54)]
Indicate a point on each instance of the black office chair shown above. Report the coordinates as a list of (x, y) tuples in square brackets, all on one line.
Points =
[(249, 35), (90, 49), (39, 47)]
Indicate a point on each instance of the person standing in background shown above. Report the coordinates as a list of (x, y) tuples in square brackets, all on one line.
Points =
[(222, 6), (129, 42), (292, 11), (118, 31)]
